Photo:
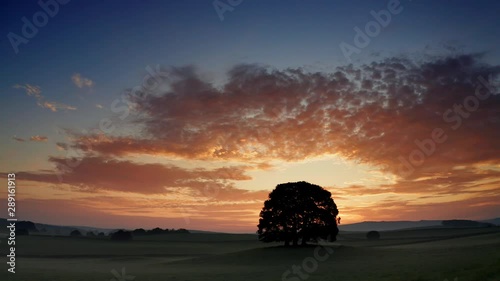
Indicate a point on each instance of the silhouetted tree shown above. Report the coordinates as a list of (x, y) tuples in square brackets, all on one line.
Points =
[(121, 235), (75, 233), (182, 230), (373, 235), (138, 232), (90, 234), (28, 225), (101, 234), (298, 210), (156, 230)]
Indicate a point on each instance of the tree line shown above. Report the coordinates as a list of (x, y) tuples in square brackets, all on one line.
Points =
[(123, 235)]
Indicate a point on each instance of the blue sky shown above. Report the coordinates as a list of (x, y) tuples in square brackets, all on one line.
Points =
[(110, 43)]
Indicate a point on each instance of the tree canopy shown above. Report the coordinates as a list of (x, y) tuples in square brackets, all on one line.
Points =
[(298, 211)]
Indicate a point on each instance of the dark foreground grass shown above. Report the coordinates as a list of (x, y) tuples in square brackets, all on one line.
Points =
[(461, 254)]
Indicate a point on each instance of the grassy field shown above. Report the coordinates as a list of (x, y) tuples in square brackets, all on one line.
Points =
[(409, 255)]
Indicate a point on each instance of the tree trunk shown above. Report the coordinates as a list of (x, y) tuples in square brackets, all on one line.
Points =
[(287, 236), (295, 234), (304, 240)]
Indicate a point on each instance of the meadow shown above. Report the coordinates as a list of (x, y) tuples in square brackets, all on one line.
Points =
[(439, 254)]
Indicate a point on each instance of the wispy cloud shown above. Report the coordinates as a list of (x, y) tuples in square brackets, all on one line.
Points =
[(35, 91), (18, 139), (35, 138), (38, 138), (55, 106), (81, 81), (31, 90), (61, 146)]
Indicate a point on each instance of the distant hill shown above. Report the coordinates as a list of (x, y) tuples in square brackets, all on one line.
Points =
[(466, 223), (204, 232), (48, 229), (27, 225), (396, 225), (492, 221), (388, 225)]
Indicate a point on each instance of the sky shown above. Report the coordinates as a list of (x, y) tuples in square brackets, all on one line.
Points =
[(186, 114)]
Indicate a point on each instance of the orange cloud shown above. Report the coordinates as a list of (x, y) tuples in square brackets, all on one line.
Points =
[(98, 173)]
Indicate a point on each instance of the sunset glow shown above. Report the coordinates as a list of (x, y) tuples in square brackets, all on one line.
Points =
[(190, 122)]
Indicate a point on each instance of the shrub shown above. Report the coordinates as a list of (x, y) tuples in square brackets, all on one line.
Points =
[(373, 235)]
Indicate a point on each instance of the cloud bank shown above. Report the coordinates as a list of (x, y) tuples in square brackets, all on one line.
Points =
[(376, 114), (370, 113)]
